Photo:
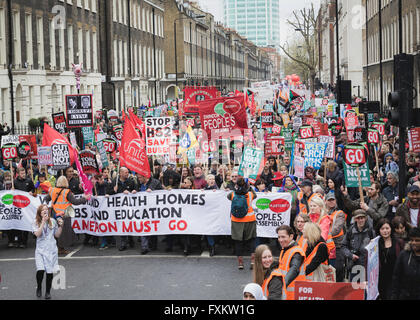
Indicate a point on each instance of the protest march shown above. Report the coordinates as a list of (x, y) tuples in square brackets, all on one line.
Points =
[(272, 167)]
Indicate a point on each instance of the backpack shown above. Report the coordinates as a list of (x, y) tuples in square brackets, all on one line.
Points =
[(239, 207)]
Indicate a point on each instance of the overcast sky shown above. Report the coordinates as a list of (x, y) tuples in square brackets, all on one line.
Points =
[(215, 7)]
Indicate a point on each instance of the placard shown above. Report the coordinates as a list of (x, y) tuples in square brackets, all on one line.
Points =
[(266, 119), (59, 122), (314, 154), (31, 141), (44, 156), (9, 139), (88, 162), (251, 163), (310, 290), (158, 135), (79, 110), (9, 151), (330, 152), (414, 139), (350, 175), (60, 156)]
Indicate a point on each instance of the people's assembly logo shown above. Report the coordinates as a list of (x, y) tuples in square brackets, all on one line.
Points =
[(19, 201), (277, 205)]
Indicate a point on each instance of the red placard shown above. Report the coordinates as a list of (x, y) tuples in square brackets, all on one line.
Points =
[(414, 139), (373, 136), (354, 155), (306, 132), (266, 119), (320, 129), (31, 140), (308, 290), (9, 152), (274, 145), (194, 95), (222, 115), (380, 126)]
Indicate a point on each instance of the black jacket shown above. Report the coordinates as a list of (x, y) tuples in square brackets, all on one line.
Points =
[(24, 184), (152, 184), (406, 277), (128, 185), (355, 241), (320, 256)]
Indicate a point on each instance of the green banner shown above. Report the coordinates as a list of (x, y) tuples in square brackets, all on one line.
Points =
[(350, 175)]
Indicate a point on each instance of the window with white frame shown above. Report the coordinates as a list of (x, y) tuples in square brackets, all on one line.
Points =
[(95, 51), (88, 52), (2, 39), (115, 55), (79, 3), (70, 45), (80, 46), (87, 4), (28, 36), (94, 6), (17, 58), (61, 48), (114, 10), (40, 41), (53, 62)]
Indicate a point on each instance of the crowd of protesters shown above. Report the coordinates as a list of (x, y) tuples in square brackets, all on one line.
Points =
[(330, 223)]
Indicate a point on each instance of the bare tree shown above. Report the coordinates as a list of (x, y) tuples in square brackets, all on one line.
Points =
[(304, 23)]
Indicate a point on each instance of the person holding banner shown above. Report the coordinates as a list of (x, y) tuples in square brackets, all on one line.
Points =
[(406, 275), (145, 184), (46, 258), (243, 230), (62, 198)]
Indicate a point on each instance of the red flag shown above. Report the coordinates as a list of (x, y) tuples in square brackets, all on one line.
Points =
[(133, 152), (150, 103), (52, 136), (253, 107), (124, 116), (246, 99), (138, 123)]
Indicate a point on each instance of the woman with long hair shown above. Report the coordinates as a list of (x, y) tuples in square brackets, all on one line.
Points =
[(264, 265), (389, 250), (319, 215), (46, 254), (317, 251)]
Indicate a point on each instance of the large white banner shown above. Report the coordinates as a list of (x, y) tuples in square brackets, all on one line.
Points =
[(153, 213)]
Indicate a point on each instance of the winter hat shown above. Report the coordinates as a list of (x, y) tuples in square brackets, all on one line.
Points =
[(389, 155)]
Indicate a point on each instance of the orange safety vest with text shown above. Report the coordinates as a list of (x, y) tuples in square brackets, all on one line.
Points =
[(301, 241), (308, 261), (62, 203), (284, 267), (250, 215)]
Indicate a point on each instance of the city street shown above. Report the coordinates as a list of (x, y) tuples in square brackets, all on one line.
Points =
[(91, 274)]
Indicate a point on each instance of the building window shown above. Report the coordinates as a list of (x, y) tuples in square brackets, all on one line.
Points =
[(28, 36), (61, 48), (88, 63), (80, 45), (52, 46), (16, 39), (95, 51), (40, 41), (70, 44)]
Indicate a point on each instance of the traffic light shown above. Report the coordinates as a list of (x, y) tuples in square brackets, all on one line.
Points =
[(401, 100)]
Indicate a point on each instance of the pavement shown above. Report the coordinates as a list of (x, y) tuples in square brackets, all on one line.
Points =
[(87, 273)]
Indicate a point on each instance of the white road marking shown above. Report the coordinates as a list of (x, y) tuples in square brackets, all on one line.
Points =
[(156, 256), (73, 252), (4, 288), (209, 285), (205, 254)]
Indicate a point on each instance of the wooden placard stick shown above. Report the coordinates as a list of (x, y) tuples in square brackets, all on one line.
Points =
[(359, 179)]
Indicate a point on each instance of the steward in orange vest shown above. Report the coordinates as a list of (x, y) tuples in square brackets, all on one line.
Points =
[(61, 199), (290, 263), (305, 196), (315, 255)]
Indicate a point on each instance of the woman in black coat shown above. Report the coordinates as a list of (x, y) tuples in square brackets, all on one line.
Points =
[(389, 250)]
